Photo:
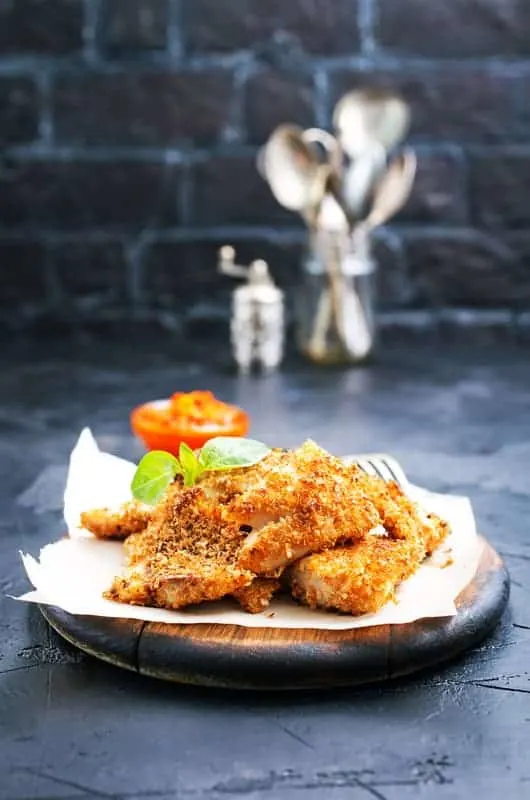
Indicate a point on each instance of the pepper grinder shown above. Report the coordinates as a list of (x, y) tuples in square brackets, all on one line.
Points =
[(257, 322)]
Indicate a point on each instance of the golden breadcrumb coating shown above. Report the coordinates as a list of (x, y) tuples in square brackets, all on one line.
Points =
[(257, 595), (357, 579), (177, 581), (132, 517), (362, 577), (297, 503), (187, 554), (399, 515), (237, 530)]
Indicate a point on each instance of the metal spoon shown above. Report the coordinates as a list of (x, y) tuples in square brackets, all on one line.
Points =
[(360, 177), (342, 301), (297, 176), (365, 116), (329, 211), (292, 169), (369, 123), (391, 193), (329, 144)]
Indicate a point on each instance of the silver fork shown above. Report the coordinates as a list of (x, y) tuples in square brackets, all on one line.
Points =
[(380, 465)]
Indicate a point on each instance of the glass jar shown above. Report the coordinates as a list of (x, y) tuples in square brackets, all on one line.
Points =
[(336, 299)]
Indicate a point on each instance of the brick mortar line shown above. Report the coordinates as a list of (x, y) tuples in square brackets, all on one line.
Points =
[(397, 238), (321, 98), (175, 44), (93, 10), (250, 231), (45, 148), (92, 60), (37, 150), (234, 130), (150, 235), (40, 151), (424, 146), (367, 11), (379, 60), (45, 111), (78, 66)]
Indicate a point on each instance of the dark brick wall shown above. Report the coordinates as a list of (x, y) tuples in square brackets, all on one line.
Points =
[(129, 130)]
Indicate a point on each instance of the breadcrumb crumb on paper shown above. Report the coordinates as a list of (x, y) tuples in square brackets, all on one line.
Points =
[(73, 572)]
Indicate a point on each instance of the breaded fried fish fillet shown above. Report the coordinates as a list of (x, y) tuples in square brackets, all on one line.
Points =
[(187, 554), (401, 517), (132, 517), (362, 577), (257, 595), (236, 531), (298, 503), (357, 579)]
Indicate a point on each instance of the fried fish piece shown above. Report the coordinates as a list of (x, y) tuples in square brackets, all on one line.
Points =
[(213, 539), (362, 577), (186, 555), (257, 595), (177, 581), (236, 531), (357, 579), (297, 503), (401, 517), (132, 517)]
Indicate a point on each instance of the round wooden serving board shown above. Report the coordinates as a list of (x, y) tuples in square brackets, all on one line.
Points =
[(274, 658)]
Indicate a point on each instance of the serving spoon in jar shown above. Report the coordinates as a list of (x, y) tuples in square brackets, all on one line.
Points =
[(296, 174), (391, 192), (341, 301), (369, 124)]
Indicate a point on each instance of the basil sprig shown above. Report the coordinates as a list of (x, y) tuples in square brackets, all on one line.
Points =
[(158, 469)]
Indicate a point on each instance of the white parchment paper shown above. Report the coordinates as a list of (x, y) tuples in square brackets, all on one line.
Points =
[(73, 572)]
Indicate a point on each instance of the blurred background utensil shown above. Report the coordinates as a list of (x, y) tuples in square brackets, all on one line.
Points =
[(331, 148), (292, 169), (359, 178), (391, 192), (257, 322), (369, 123), (330, 211), (365, 116), (299, 176), (343, 186)]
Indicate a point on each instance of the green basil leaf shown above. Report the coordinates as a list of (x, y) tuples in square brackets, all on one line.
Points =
[(189, 463), (229, 452), (153, 475), (157, 469)]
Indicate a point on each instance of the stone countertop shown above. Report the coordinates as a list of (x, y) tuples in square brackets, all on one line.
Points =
[(457, 416)]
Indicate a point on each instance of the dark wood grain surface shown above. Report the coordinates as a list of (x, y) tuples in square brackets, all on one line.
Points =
[(73, 727), (231, 656)]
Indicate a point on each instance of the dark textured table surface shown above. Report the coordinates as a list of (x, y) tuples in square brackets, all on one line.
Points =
[(457, 416)]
